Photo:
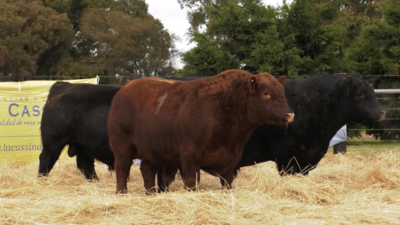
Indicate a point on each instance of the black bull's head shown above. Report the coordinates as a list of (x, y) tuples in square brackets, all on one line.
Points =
[(352, 101)]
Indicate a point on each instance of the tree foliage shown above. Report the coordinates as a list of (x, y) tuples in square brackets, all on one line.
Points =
[(246, 34), (378, 48), (80, 38), (197, 15), (125, 44), (301, 38), (33, 38), (206, 59)]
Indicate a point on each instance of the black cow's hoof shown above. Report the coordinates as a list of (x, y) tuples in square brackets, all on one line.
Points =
[(42, 175), (93, 179)]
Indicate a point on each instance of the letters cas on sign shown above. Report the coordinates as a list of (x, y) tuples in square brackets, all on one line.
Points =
[(21, 107)]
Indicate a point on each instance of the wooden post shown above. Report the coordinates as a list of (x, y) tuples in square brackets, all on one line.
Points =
[(340, 148)]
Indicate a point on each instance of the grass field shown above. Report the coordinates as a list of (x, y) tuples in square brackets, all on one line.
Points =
[(362, 187), (364, 147)]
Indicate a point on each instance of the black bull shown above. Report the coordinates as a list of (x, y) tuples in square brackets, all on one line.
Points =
[(322, 105), (76, 115)]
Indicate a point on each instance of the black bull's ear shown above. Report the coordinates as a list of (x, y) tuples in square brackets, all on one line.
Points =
[(345, 86)]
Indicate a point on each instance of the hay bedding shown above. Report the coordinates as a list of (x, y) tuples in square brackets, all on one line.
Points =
[(350, 189)]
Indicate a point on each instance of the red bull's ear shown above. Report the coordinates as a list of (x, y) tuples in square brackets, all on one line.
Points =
[(282, 80)]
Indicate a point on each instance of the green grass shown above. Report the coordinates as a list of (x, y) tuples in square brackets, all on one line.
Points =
[(368, 147)]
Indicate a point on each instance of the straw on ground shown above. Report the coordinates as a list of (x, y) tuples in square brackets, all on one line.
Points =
[(351, 189)]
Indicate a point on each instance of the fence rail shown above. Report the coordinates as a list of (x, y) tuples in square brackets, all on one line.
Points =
[(387, 97), (387, 91)]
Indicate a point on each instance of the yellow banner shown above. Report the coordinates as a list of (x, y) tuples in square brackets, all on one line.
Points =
[(21, 107)]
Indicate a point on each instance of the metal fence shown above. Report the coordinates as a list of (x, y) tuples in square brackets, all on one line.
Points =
[(386, 130)]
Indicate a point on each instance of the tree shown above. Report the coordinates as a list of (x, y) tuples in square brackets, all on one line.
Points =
[(243, 35), (300, 38), (313, 25), (81, 38), (198, 15), (33, 39), (377, 51), (124, 41), (206, 59)]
